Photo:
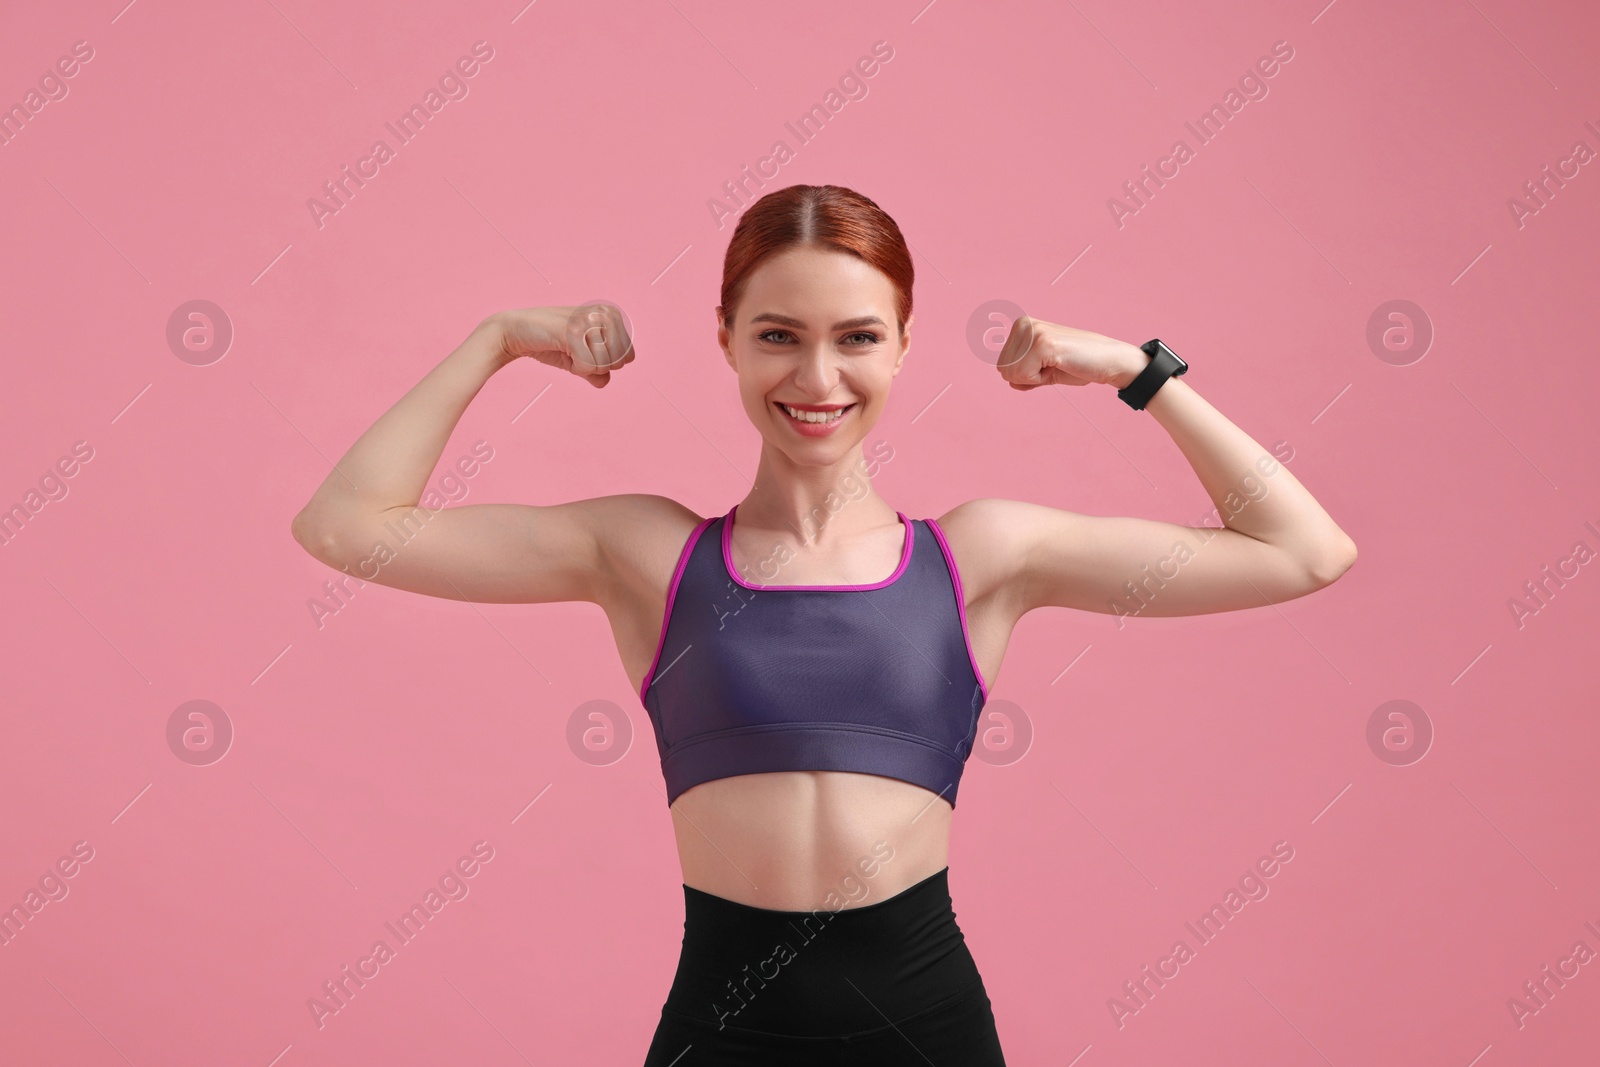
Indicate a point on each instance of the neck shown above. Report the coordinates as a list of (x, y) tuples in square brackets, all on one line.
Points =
[(816, 505)]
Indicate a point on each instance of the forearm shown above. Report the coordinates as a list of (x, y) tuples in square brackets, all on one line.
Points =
[(389, 464), (1254, 494)]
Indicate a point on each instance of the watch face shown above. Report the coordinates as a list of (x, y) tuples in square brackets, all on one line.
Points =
[(1164, 363), (1160, 346)]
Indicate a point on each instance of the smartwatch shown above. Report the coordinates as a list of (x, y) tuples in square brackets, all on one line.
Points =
[(1164, 363)]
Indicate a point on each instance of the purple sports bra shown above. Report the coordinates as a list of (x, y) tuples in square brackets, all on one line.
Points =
[(877, 679)]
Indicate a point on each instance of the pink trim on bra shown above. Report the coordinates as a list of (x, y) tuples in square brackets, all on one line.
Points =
[(672, 594), (961, 602), (727, 562)]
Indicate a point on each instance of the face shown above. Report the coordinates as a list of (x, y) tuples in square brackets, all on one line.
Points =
[(815, 330)]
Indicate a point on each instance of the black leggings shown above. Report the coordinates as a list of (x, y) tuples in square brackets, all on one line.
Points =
[(886, 983)]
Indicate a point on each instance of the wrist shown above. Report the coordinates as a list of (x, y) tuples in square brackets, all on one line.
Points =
[(488, 340), (1164, 365), (1132, 362), (484, 348)]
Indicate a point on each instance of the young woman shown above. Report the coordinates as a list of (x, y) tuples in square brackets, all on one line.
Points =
[(814, 667)]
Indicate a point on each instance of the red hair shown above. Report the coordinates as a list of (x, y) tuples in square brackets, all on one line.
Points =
[(824, 216)]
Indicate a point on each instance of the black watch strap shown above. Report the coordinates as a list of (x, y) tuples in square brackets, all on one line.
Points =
[(1164, 363)]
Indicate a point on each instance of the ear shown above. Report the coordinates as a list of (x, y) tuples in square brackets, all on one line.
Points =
[(905, 344), (723, 339)]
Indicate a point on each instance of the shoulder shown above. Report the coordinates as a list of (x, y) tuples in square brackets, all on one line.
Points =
[(988, 538), (640, 536)]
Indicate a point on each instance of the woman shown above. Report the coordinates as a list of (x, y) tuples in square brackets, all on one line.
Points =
[(813, 724)]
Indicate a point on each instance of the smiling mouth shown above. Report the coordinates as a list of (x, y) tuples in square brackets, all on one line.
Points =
[(815, 418)]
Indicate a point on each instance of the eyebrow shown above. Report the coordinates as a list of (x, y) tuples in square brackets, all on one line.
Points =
[(847, 324)]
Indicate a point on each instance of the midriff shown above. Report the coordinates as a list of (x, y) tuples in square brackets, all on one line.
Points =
[(805, 840)]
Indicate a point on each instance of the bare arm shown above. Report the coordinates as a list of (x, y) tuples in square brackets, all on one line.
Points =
[(1275, 542), (365, 518)]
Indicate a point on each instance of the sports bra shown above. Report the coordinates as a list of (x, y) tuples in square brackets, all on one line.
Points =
[(878, 679)]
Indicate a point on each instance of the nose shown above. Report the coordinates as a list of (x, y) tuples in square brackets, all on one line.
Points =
[(818, 372)]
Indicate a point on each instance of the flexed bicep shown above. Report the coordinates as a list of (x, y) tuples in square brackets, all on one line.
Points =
[(1123, 565)]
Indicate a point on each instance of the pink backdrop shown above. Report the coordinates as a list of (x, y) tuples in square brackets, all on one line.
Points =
[(368, 750)]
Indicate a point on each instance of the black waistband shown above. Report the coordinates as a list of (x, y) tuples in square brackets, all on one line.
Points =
[(823, 972), (934, 887)]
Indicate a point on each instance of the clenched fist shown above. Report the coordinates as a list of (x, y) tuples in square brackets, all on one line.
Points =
[(590, 340), (1042, 353)]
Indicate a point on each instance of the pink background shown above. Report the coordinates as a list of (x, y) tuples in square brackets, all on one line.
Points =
[(371, 752)]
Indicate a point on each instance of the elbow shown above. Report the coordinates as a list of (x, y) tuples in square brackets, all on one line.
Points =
[(316, 540), (301, 530), (1331, 564)]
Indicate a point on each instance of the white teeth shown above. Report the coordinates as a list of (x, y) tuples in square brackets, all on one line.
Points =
[(813, 416)]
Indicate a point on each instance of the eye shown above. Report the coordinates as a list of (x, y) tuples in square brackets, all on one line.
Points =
[(863, 337)]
